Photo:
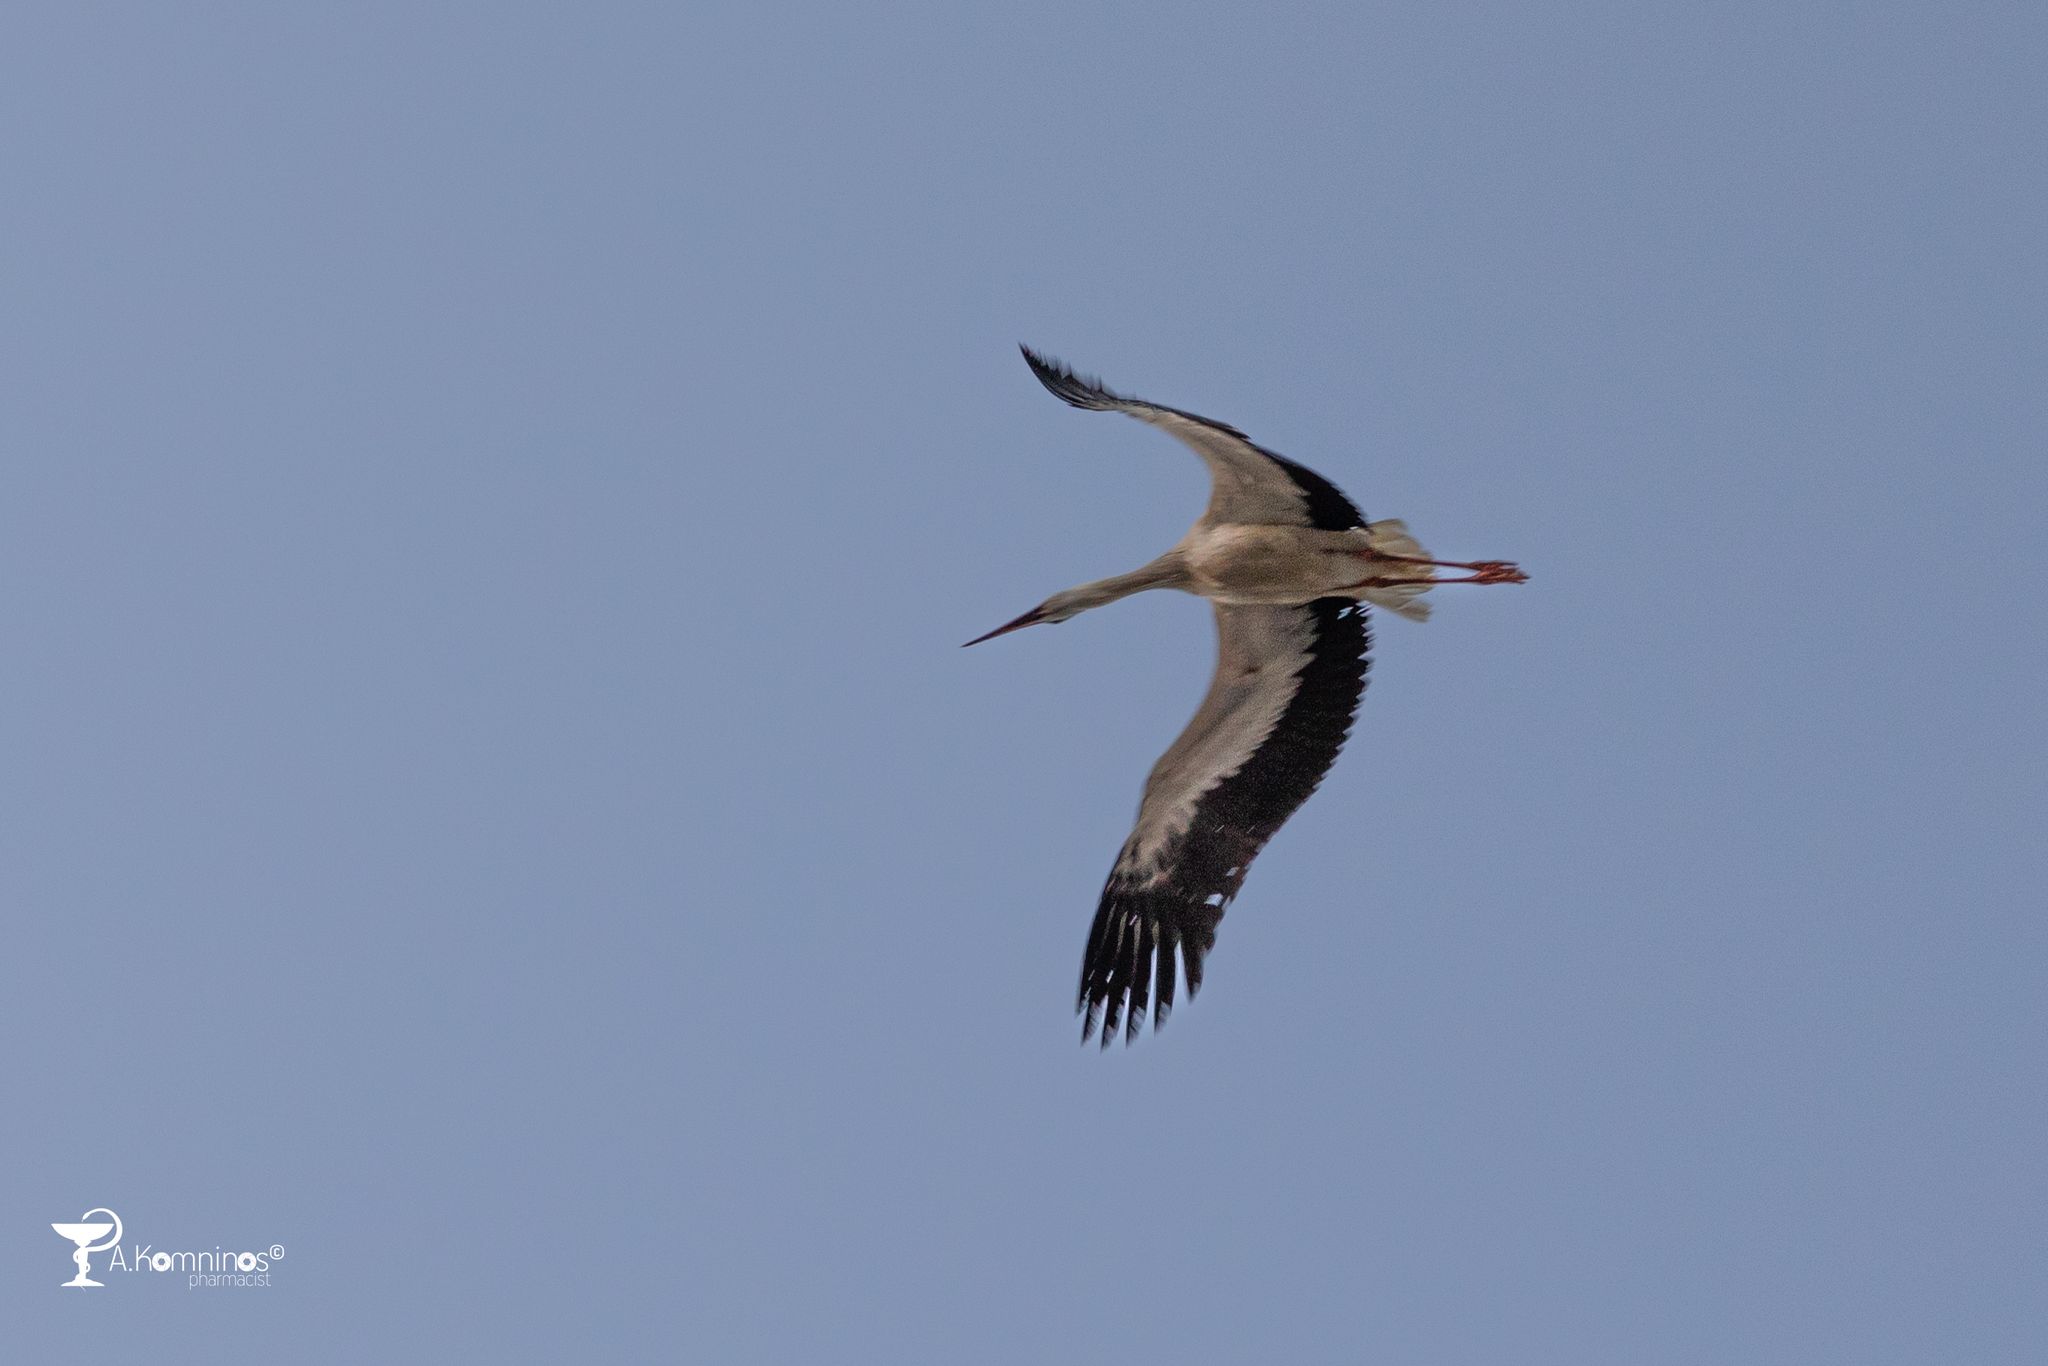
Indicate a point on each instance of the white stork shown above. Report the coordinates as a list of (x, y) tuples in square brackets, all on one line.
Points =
[(1289, 565)]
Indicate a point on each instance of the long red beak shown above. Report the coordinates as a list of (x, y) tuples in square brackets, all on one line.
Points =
[(1030, 618)]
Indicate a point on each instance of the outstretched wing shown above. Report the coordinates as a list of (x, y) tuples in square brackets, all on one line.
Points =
[(1287, 685), (1248, 483)]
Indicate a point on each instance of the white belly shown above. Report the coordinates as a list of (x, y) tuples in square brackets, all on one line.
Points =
[(1273, 564), (1288, 565)]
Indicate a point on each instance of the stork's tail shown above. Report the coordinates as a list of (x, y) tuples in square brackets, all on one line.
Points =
[(1391, 538)]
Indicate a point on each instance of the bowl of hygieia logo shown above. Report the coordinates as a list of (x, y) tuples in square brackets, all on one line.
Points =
[(218, 1267)]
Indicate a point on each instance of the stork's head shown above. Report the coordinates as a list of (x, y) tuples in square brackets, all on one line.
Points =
[(1056, 608)]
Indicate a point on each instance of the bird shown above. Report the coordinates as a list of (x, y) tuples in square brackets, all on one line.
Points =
[(1289, 566)]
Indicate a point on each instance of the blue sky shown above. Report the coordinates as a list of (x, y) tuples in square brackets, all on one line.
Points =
[(496, 807)]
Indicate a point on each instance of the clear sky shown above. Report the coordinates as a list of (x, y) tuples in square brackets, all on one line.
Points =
[(495, 805)]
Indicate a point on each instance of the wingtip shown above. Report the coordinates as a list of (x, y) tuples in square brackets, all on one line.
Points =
[(1047, 368), (1069, 385), (1098, 1029)]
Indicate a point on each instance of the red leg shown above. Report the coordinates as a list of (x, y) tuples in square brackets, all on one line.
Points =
[(1492, 571), (1495, 567)]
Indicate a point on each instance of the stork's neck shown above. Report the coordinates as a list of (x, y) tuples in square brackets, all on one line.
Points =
[(1168, 571)]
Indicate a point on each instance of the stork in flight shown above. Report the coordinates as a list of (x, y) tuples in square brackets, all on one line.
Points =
[(1289, 564)]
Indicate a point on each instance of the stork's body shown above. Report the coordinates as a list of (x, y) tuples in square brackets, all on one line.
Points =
[(1289, 564)]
